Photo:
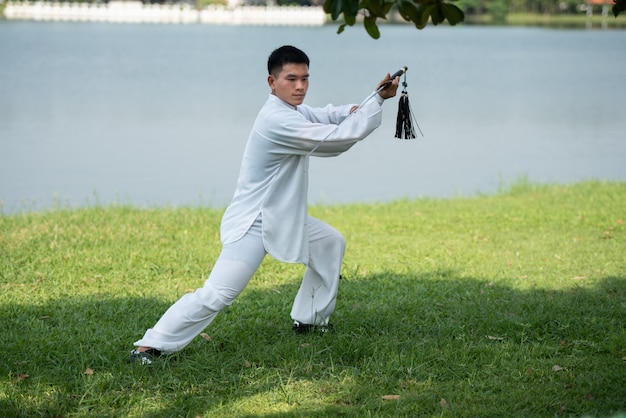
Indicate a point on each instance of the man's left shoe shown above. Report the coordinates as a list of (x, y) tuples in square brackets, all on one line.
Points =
[(300, 328)]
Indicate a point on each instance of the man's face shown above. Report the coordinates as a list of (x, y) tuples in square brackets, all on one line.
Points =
[(291, 84)]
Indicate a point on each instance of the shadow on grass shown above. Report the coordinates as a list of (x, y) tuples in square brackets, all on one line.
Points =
[(486, 348)]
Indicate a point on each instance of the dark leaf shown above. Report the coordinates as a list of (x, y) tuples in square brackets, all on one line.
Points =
[(379, 8), (436, 15), (388, 5), (370, 26), (452, 13), (408, 11), (328, 4), (350, 8), (424, 13), (334, 7)]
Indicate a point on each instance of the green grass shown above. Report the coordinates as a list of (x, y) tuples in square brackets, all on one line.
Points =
[(508, 305)]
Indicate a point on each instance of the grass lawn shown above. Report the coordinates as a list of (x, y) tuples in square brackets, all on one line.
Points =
[(511, 305)]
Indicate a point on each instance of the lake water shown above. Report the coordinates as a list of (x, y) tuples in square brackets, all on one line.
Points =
[(94, 113)]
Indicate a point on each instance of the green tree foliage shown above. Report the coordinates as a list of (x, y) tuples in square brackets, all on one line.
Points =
[(498, 9), (419, 12)]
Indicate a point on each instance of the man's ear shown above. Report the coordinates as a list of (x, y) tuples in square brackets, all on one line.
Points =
[(271, 81)]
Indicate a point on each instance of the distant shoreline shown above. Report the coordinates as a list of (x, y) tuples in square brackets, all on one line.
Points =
[(178, 13), (137, 12)]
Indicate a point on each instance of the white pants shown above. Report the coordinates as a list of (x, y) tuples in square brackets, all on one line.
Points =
[(313, 304)]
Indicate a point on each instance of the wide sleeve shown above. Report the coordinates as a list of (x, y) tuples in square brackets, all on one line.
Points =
[(328, 114), (295, 133)]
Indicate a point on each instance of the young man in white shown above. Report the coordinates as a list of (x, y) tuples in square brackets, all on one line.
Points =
[(268, 212)]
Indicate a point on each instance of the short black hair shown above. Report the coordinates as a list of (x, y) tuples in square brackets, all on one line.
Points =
[(286, 54)]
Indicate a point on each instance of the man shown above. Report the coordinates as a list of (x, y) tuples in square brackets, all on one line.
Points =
[(268, 212)]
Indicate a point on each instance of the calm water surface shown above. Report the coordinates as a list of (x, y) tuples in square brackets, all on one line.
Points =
[(159, 114)]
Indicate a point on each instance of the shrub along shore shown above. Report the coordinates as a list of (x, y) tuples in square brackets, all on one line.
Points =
[(504, 305)]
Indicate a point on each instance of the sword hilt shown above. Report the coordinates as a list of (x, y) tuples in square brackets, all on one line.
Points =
[(393, 76)]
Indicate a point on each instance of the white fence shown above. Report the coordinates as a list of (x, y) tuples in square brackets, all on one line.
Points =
[(137, 12)]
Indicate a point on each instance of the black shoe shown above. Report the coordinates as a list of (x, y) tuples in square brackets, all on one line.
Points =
[(144, 357), (299, 328)]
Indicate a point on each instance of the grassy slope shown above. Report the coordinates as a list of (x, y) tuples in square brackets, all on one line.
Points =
[(507, 305)]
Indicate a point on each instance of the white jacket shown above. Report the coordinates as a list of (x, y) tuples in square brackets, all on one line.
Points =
[(273, 180)]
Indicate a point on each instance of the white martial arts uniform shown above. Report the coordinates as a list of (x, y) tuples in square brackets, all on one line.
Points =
[(268, 214)]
